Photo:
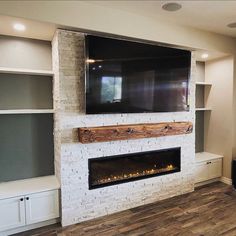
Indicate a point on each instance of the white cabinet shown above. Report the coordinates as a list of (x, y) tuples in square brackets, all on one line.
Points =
[(201, 173), (12, 213), (41, 207), (215, 168), (28, 209), (207, 170)]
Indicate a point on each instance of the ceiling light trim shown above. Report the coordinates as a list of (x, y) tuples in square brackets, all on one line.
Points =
[(171, 6), (232, 25)]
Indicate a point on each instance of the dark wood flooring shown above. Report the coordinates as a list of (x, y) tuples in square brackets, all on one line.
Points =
[(208, 211)]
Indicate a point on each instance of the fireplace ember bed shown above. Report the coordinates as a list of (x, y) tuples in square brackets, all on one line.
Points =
[(105, 171)]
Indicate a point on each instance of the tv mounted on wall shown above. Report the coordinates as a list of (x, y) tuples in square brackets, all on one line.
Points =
[(134, 77)]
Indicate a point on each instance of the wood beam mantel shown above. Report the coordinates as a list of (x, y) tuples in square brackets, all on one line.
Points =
[(134, 131)]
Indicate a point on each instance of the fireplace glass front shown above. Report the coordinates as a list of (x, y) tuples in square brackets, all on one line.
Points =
[(112, 170)]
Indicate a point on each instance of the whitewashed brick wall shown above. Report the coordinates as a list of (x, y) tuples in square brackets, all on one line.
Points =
[(71, 157)]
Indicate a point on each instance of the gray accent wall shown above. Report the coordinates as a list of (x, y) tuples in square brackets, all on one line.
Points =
[(199, 134), (26, 146), (200, 73), (200, 100), (25, 92), (26, 140), (200, 96)]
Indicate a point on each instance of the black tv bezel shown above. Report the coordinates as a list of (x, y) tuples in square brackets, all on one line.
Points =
[(135, 40)]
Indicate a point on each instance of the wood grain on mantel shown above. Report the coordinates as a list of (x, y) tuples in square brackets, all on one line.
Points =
[(134, 131)]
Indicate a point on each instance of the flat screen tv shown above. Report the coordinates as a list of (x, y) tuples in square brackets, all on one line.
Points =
[(134, 77)]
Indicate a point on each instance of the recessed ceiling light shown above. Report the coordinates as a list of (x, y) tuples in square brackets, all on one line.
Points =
[(19, 27), (232, 25), (171, 6), (204, 56)]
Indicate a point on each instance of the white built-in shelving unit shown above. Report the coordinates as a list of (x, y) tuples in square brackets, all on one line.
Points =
[(27, 180), (15, 72), (208, 166), (26, 108), (21, 109), (202, 85)]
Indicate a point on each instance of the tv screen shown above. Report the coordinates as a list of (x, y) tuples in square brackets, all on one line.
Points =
[(132, 77)]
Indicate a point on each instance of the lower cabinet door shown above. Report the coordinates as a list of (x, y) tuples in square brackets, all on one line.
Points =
[(201, 172), (12, 213), (42, 206), (215, 169)]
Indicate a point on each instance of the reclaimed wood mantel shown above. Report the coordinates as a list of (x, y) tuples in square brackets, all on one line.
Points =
[(134, 131)]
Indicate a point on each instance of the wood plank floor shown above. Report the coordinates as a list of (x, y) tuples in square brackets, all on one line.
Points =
[(209, 211)]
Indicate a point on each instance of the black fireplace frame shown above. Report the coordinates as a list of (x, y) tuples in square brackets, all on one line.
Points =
[(178, 149)]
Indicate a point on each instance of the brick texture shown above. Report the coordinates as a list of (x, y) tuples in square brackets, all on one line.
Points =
[(78, 203)]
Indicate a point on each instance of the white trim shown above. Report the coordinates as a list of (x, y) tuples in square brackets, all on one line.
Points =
[(204, 83), (203, 109), (25, 71), (226, 180), (26, 111), (206, 182), (206, 156), (28, 186), (29, 227)]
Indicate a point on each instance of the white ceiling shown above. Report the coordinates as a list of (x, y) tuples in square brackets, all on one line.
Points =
[(34, 29), (209, 15)]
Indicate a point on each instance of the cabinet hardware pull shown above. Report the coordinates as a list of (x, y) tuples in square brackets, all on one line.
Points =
[(27, 198), (21, 199)]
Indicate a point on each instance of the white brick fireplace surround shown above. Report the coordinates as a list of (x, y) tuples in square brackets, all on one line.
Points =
[(78, 203)]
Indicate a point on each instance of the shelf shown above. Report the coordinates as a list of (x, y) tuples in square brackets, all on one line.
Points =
[(134, 131), (203, 109), (28, 186), (26, 111), (206, 156), (25, 71), (203, 83)]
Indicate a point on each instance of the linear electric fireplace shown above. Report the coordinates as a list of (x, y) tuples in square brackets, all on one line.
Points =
[(130, 167)]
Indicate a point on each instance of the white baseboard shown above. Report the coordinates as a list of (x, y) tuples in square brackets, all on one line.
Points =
[(207, 182), (226, 180), (29, 227), (221, 179)]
